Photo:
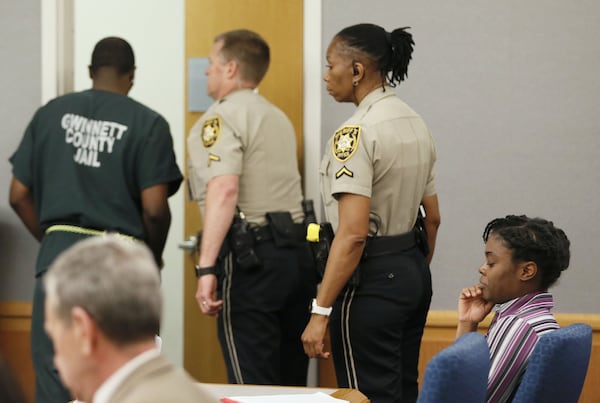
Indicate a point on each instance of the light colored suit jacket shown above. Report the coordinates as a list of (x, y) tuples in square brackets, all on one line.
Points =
[(158, 381)]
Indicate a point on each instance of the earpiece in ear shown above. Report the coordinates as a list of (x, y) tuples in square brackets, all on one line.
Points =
[(355, 71)]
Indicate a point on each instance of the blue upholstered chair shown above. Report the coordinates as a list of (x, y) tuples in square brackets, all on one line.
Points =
[(459, 373), (557, 366)]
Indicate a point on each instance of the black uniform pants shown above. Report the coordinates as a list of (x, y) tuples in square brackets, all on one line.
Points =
[(265, 311), (376, 327)]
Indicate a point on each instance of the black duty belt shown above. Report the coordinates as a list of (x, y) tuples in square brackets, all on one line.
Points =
[(262, 233), (389, 245)]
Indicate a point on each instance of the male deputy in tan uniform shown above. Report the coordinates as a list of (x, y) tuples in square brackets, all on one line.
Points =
[(243, 165)]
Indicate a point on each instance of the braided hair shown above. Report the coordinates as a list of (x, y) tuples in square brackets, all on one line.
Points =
[(388, 52), (533, 239)]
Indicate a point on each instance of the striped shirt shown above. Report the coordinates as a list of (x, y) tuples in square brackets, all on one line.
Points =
[(513, 333)]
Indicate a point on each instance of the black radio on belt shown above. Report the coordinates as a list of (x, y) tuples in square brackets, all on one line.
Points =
[(241, 242)]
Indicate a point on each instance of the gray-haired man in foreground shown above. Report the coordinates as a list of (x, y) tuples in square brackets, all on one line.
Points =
[(103, 310)]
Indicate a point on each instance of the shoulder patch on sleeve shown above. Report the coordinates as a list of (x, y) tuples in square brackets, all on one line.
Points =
[(344, 171), (211, 129), (345, 142)]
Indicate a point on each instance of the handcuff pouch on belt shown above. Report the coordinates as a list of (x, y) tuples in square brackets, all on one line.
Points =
[(284, 230)]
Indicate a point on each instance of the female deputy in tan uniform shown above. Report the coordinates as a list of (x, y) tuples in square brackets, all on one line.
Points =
[(377, 170)]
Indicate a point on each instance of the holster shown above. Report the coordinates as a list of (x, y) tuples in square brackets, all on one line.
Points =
[(420, 231), (241, 243), (320, 248)]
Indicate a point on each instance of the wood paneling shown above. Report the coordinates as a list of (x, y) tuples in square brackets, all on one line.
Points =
[(281, 24), (440, 332), (15, 325)]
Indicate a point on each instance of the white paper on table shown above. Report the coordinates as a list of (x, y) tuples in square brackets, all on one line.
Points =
[(318, 397)]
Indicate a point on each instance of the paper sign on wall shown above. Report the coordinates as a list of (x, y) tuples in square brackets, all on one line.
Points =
[(198, 100)]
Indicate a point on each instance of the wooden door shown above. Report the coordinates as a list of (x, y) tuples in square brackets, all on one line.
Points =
[(281, 24)]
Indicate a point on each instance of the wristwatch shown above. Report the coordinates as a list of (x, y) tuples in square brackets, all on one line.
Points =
[(204, 271), (319, 310)]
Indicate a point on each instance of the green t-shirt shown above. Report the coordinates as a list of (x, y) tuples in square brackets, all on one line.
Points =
[(87, 156)]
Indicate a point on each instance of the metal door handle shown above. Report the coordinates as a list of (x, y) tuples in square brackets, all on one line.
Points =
[(189, 245)]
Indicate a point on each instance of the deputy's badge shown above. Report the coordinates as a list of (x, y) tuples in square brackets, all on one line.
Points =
[(211, 129), (345, 142)]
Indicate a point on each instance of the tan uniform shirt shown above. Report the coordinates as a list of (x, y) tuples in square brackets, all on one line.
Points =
[(244, 134), (385, 152)]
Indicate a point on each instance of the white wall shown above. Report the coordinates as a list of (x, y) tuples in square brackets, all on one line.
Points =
[(312, 120), (313, 72), (155, 30)]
